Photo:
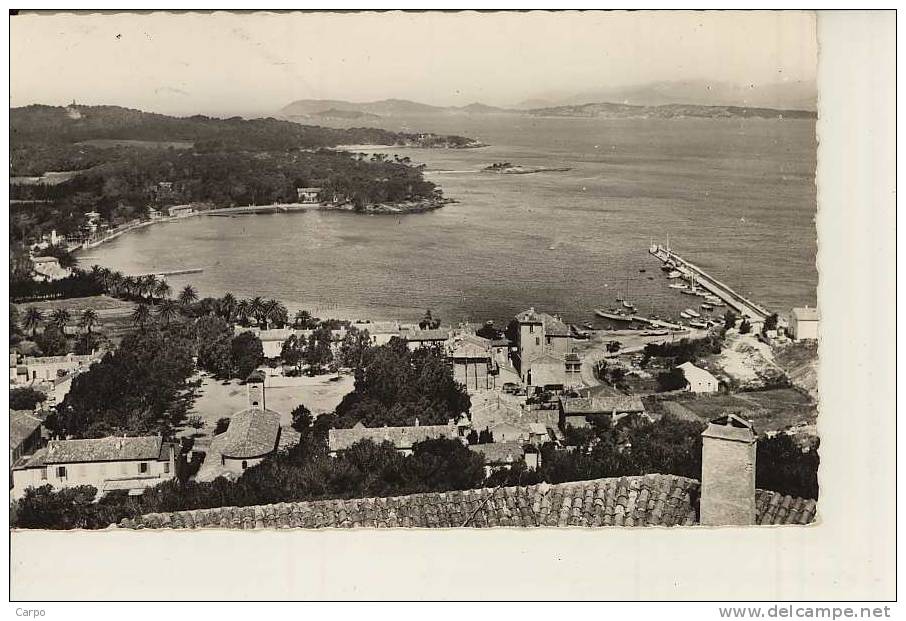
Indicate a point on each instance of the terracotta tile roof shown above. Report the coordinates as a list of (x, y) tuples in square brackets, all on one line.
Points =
[(439, 334), (111, 448), (650, 500), (22, 424), (601, 405), (400, 437), (252, 433), (499, 452)]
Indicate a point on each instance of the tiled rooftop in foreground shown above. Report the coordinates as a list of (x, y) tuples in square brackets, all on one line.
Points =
[(650, 500)]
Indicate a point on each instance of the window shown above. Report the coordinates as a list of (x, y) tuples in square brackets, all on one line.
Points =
[(537, 341), (43, 474), (143, 468), (61, 472), (531, 329), (166, 467)]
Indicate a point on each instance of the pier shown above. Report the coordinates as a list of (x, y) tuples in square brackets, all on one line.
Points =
[(739, 303)]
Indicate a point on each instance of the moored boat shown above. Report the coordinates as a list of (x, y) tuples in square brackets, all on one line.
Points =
[(685, 315), (692, 312), (674, 274), (614, 316), (698, 324), (677, 286)]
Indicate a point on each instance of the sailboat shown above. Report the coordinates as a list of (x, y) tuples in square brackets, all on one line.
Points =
[(625, 299)]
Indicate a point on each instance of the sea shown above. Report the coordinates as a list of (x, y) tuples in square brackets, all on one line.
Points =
[(737, 197)]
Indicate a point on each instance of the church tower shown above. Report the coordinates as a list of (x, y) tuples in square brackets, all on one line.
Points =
[(255, 386)]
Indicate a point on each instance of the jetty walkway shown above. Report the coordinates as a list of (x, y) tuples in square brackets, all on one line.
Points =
[(731, 298)]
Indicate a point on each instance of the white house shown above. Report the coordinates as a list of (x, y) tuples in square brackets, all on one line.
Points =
[(108, 464), (698, 380), (804, 323)]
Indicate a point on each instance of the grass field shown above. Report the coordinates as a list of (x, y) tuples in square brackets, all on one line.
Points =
[(772, 410)]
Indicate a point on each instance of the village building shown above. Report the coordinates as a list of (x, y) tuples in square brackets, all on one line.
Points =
[(49, 368), (154, 214), (426, 338), (504, 455), (474, 363), (48, 269), (308, 195), (253, 433), (804, 323), (402, 438), (24, 435), (698, 380), (507, 420), (546, 372), (381, 332), (540, 334), (584, 411), (108, 464), (178, 211)]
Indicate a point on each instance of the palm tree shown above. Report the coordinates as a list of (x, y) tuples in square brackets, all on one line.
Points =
[(162, 290), (302, 319), (256, 309), (60, 318), (149, 284), (276, 313), (32, 319), (115, 283), (141, 316), (187, 296), (228, 306), (243, 312), (167, 310), (130, 285), (89, 319)]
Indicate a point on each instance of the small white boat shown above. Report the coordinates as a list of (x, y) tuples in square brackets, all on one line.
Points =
[(692, 312), (698, 324), (677, 286), (685, 315), (674, 274), (706, 306), (627, 304)]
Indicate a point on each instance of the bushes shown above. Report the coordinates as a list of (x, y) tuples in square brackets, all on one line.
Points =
[(25, 398)]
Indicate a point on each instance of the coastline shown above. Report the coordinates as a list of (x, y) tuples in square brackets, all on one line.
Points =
[(409, 207)]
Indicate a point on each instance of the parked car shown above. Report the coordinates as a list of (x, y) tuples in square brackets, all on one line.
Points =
[(511, 388)]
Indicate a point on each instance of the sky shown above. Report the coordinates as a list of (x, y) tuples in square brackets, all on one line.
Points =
[(254, 64)]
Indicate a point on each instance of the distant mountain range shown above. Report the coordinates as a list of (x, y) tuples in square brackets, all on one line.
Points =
[(308, 109), (667, 99)]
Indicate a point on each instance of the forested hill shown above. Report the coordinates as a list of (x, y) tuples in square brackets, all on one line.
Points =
[(669, 111), (121, 163), (49, 125)]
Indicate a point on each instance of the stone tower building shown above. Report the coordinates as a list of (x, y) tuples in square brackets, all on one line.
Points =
[(728, 472), (255, 385)]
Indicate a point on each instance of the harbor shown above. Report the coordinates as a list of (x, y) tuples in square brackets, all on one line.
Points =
[(702, 280)]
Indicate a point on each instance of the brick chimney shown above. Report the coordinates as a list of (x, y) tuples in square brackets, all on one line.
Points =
[(728, 472)]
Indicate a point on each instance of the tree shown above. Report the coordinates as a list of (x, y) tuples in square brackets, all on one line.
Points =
[(397, 386), (141, 316), (228, 306), (247, 354), (221, 426), (730, 318), (668, 446), (770, 323), (243, 312), (162, 290), (488, 331), (355, 348), (167, 310), (90, 342), (187, 296), (318, 353), (674, 379), (293, 352), (303, 320), (302, 419), (472, 437), (256, 309), (60, 318), (274, 313), (88, 319), (213, 345), (485, 436), (613, 347), (52, 342), (428, 322), (33, 318), (745, 327), (783, 466), (140, 387), (25, 398)]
